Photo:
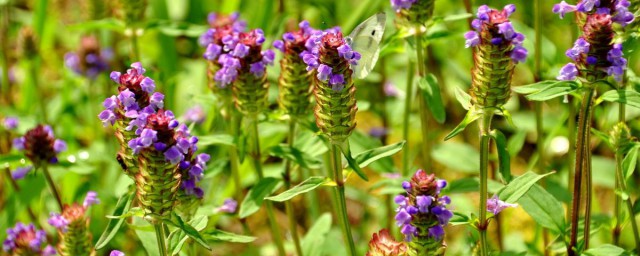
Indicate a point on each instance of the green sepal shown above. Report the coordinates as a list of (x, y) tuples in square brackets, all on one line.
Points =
[(471, 116)]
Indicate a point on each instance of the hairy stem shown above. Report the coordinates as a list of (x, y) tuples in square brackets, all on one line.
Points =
[(52, 186), (293, 227), (257, 162), (581, 161), (341, 211), (485, 127), (405, 118)]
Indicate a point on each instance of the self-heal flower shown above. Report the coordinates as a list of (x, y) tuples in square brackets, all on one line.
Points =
[(383, 244), (229, 206), (472, 39), (568, 72), (27, 240), (495, 205), (40, 146), (562, 8), (422, 214), (116, 253), (10, 123), (73, 227)]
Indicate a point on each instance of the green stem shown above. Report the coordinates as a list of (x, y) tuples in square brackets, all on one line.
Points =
[(485, 127), (257, 163), (424, 111), (135, 51), (160, 237), (405, 119), (341, 211), (582, 160), (52, 186), (293, 227), (620, 182)]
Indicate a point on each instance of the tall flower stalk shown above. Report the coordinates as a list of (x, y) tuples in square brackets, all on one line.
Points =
[(243, 68), (41, 148), (497, 48), (414, 15), (296, 88), (330, 57), (223, 27), (422, 214), (157, 152), (73, 227), (594, 57)]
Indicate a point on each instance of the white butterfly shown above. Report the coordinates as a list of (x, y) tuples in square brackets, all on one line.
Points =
[(365, 39)]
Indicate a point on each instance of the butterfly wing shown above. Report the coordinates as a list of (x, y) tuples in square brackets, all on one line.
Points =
[(365, 39)]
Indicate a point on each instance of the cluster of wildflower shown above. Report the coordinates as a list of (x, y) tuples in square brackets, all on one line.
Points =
[(27, 240), (90, 60), (72, 225), (295, 81), (497, 47), (244, 54), (224, 28), (422, 214), (383, 244), (593, 54), (329, 53), (40, 146)]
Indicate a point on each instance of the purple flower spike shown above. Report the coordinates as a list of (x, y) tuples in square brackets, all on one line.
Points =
[(568, 72), (563, 8), (495, 205), (91, 199)]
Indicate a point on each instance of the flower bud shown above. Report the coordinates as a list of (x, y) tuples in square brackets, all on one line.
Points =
[(296, 83), (422, 214), (497, 47), (620, 137), (412, 12), (40, 146), (383, 244), (90, 60)]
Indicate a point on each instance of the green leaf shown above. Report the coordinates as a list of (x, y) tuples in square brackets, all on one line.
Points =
[(533, 88), (313, 243), (219, 235), (629, 162), (463, 98), (503, 154), (459, 219), (177, 222), (629, 97), (346, 151), (123, 205), (606, 250), (256, 195), (146, 235), (515, 143), (552, 90), (178, 237), (545, 209), (367, 157), (519, 186), (293, 154), (471, 116), (310, 184), (457, 156), (432, 98), (135, 211), (218, 139), (463, 185), (602, 136)]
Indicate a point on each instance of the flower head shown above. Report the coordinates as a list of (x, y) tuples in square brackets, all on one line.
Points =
[(40, 146), (495, 205), (493, 26), (422, 214), (383, 244), (89, 60), (26, 240), (618, 10)]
